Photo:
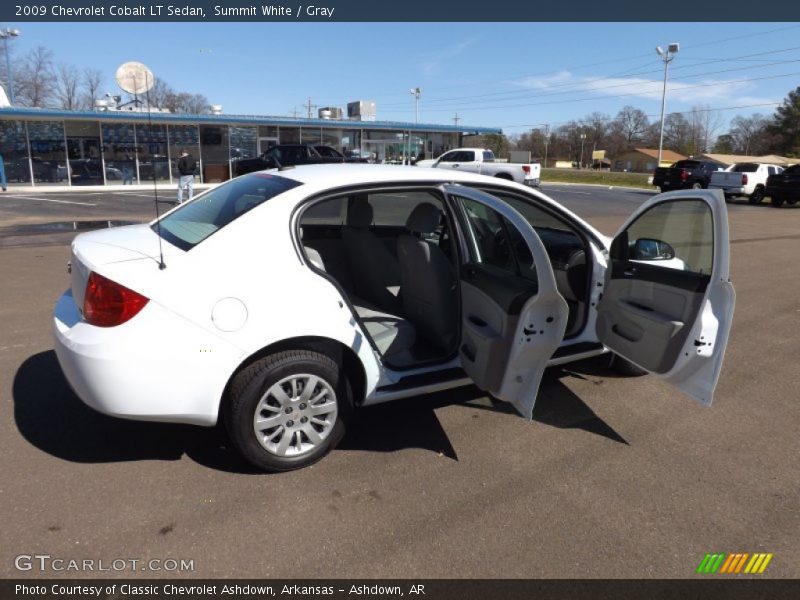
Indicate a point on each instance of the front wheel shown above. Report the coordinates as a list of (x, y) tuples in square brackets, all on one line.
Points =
[(288, 410)]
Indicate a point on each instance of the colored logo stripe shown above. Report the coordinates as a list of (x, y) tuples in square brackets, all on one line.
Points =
[(734, 563)]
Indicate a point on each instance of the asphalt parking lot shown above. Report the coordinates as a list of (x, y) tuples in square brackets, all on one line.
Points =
[(615, 477)]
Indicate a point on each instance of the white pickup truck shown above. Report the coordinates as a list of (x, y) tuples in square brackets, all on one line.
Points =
[(481, 160), (744, 179)]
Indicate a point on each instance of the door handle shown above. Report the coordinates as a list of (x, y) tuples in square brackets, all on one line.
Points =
[(629, 272), (455, 166)]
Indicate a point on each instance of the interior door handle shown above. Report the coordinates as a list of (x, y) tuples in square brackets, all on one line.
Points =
[(630, 272)]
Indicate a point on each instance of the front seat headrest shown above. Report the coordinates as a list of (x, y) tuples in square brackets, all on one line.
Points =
[(424, 218), (360, 213)]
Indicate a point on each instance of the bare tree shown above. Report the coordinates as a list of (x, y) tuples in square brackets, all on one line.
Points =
[(749, 134), (35, 80), (632, 122), (160, 93), (67, 86), (92, 81), (183, 102)]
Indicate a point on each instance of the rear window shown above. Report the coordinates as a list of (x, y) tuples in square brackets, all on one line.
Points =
[(686, 164), (746, 168), (488, 156), (196, 220)]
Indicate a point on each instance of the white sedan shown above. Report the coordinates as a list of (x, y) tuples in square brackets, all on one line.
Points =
[(282, 300)]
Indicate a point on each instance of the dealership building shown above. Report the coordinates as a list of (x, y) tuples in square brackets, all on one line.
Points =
[(42, 146)]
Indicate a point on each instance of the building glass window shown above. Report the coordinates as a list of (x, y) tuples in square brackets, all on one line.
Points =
[(48, 152), (83, 152), (290, 135), (269, 131), (311, 135), (214, 148), (14, 150), (244, 142), (332, 138), (151, 141), (119, 152), (351, 143)]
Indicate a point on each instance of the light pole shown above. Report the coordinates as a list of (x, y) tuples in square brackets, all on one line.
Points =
[(416, 92), (672, 50), (5, 34), (583, 139), (546, 141)]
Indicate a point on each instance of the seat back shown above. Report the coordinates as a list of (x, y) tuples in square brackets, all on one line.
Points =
[(428, 280), (373, 267)]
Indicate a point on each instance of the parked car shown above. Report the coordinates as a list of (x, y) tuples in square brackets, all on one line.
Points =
[(784, 187), (280, 302), (286, 155), (744, 179), (330, 152), (684, 174), (43, 170), (481, 160)]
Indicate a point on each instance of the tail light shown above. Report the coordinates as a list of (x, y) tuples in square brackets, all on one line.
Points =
[(526, 169), (744, 178), (107, 303), (684, 174)]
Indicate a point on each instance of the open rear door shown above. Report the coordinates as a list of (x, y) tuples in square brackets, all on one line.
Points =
[(513, 317), (668, 302)]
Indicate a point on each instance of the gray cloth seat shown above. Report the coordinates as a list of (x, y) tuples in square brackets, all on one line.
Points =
[(392, 335), (373, 267), (427, 280)]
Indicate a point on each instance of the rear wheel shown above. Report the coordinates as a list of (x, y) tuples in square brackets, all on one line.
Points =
[(625, 367), (288, 410), (504, 176), (777, 201), (663, 188), (757, 196), (697, 185)]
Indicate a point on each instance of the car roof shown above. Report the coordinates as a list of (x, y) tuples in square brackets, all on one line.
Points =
[(334, 175)]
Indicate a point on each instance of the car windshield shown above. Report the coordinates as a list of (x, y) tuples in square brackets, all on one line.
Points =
[(196, 220)]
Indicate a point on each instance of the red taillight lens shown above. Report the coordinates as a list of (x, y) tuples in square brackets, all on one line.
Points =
[(744, 178), (107, 303), (526, 169), (684, 174)]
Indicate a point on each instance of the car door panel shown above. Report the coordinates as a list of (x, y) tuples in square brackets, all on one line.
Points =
[(671, 313), (511, 325)]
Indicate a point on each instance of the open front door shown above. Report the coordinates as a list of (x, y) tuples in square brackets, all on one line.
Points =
[(668, 303), (513, 317)]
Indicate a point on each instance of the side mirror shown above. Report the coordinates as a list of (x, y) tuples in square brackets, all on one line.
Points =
[(270, 162), (650, 249)]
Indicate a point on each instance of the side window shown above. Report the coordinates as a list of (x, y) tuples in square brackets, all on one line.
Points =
[(495, 242), (391, 209), (678, 235), (449, 157)]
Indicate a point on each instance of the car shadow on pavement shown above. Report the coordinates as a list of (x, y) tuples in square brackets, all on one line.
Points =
[(51, 417)]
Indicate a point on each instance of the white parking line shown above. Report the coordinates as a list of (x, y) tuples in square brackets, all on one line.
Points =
[(49, 200)]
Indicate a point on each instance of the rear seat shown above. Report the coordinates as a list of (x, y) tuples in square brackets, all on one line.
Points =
[(392, 334)]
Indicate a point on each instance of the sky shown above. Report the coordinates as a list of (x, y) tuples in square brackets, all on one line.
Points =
[(508, 75)]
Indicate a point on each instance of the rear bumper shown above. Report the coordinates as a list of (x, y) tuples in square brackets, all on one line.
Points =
[(532, 182), (729, 190), (155, 367)]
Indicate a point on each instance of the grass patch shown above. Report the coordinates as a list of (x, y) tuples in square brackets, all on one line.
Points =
[(601, 178)]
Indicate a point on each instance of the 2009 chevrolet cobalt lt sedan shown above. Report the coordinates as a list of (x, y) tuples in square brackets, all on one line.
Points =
[(282, 300)]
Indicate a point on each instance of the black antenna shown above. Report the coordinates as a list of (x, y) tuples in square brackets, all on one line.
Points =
[(161, 264)]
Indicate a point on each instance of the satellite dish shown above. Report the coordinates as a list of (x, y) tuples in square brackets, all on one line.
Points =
[(135, 78)]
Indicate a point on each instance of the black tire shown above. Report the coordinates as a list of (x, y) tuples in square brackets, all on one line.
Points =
[(663, 188), (252, 383), (791, 202), (623, 366), (697, 185), (757, 196), (505, 176), (777, 201)]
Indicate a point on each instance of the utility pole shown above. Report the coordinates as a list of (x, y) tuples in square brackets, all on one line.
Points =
[(456, 119), (667, 57), (416, 92), (310, 107), (546, 141)]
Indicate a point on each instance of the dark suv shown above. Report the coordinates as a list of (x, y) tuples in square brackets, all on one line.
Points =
[(784, 187), (286, 155), (685, 174)]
